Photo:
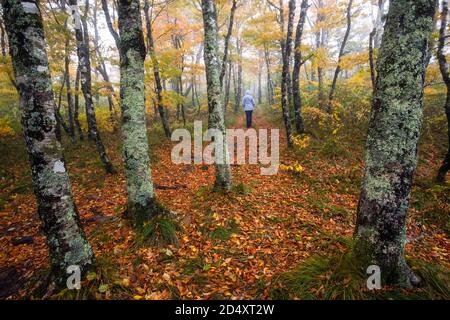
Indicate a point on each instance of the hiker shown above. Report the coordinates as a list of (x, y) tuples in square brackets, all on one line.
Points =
[(249, 104)]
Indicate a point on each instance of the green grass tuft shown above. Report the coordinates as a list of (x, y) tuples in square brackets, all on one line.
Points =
[(102, 283), (159, 231), (242, 189), (339, 278)]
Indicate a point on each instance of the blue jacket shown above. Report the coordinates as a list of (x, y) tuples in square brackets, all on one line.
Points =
[(248, 102)]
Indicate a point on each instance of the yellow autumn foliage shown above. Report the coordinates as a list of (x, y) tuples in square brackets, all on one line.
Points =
[(5, 128)]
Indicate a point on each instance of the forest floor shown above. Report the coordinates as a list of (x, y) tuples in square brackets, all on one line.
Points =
[(231, 245)]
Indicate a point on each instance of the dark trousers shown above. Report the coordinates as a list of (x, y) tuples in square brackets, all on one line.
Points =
[(248, 116)]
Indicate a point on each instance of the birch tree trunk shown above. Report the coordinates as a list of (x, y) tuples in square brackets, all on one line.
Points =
[(76, 106), (443, 66), (158, 85), (238, 91), (299, 126), (375, 39), (341, 54), (84, 63), (142, 204), (227, 86), (101, 66), (285, 74), (320, 42), (68, 87), (215, 110), (269, 77), (65, 238), (227, 41), (260, 64), (391, 149)]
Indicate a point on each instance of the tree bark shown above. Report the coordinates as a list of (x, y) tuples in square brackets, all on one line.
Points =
[(372, 61), (158, 85), (68, 87), (320, 42), (215, 109), (227, 41), (443, 66), (227, 87), (238, 91), (65, 238), (77, 106), (375, 40), (142, 204), (101, 66), (109, 23), (259, 78), (391, 149), (299, 126), (269, 77), (341, 54), (84, 63), (285, 74), (3, 45)]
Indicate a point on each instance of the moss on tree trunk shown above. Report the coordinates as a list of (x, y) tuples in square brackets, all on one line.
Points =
[(65, 238), (142, 204), (391, 151), (215, 110)]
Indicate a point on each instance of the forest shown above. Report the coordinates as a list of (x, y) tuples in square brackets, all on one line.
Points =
[(224, 150)]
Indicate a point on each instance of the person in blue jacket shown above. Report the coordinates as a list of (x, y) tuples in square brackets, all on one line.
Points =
[(249, 104)]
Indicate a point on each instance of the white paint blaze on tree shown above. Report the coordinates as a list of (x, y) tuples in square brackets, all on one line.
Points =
[(65, 238), (214, 88), (142, 204), (391, 149)]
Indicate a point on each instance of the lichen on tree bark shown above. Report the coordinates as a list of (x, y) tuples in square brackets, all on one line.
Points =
[(65, 238), (142, 204), (391, 148), (214, 88)]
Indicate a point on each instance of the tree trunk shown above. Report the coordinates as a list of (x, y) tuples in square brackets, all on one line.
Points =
[(59, 120), (215, 110), (142, 204), (391, 149), (269, 77), (285, 74), (443, 66), (101, 66), (2, 38), (375, 41), (84, 63), (68, 88), (158, 85), (373, 76), (379, 24), (320, 39), (65, 237), (77, 105), (227, 87), (259, 78), (3, 45), (109, 23), (227, 41), (341, 54), (299, 126), (182, 106), (238, 91)]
